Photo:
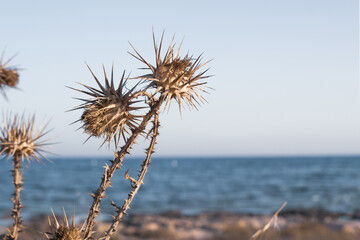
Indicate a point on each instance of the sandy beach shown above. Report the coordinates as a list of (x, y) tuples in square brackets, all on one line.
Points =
[(291, 224)]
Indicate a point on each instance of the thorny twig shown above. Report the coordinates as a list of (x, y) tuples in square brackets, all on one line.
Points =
[(135, 183), (270, 223), (99, 194)]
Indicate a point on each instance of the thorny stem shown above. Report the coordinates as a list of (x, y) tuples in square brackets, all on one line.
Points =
[(135, 184), (17, 203), (99, 194)]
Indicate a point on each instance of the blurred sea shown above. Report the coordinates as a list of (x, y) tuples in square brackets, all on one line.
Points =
[(191, 185)]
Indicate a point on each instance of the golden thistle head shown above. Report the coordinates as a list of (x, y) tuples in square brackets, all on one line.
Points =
[(109, 113), (18, 138), (64, 231), (176, 77), (9, 76)]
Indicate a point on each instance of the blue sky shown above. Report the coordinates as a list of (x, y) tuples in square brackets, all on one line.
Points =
[(286, 72)]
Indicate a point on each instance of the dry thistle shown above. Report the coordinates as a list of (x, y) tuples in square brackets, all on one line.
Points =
[(19, 141), (17, 138), (9, 76), (109, 111), (175, 77), (65, 231), (172, 78), (109, 114)]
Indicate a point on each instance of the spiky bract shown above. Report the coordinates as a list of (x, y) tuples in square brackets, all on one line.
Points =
[(9, 76), (174, 76), (64, 231), (110, 111), (18, 137)]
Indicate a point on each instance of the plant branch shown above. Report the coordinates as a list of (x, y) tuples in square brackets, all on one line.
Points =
[(99, 194), (272, 222), (135, 183), (16, 200)]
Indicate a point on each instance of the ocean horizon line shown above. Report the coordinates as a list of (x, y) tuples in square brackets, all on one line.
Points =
[(265, 156)]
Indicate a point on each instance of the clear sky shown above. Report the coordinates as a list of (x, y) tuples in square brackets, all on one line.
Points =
[(286, 72)]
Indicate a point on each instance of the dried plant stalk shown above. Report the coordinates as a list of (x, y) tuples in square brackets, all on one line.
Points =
[(270, 223), (135, 183), (17, 226), (172, 78), (19, 141), (99, 194)]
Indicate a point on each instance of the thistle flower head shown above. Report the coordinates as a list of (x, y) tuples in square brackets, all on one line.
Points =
[(64, 231), (9, 76), (18, 137), (176, 77), (110, 111)]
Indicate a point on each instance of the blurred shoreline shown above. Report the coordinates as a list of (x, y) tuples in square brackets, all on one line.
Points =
[(291, 224)]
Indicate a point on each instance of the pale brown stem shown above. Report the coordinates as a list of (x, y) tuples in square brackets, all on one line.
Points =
[(143, 93), (17, 203), (99, 194), (135, 184), (270, 223)]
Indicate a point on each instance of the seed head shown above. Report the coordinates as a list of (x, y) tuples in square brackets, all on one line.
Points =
[(65, 231), (176, 77), (17, 137), (109, 112), (9, 76)]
